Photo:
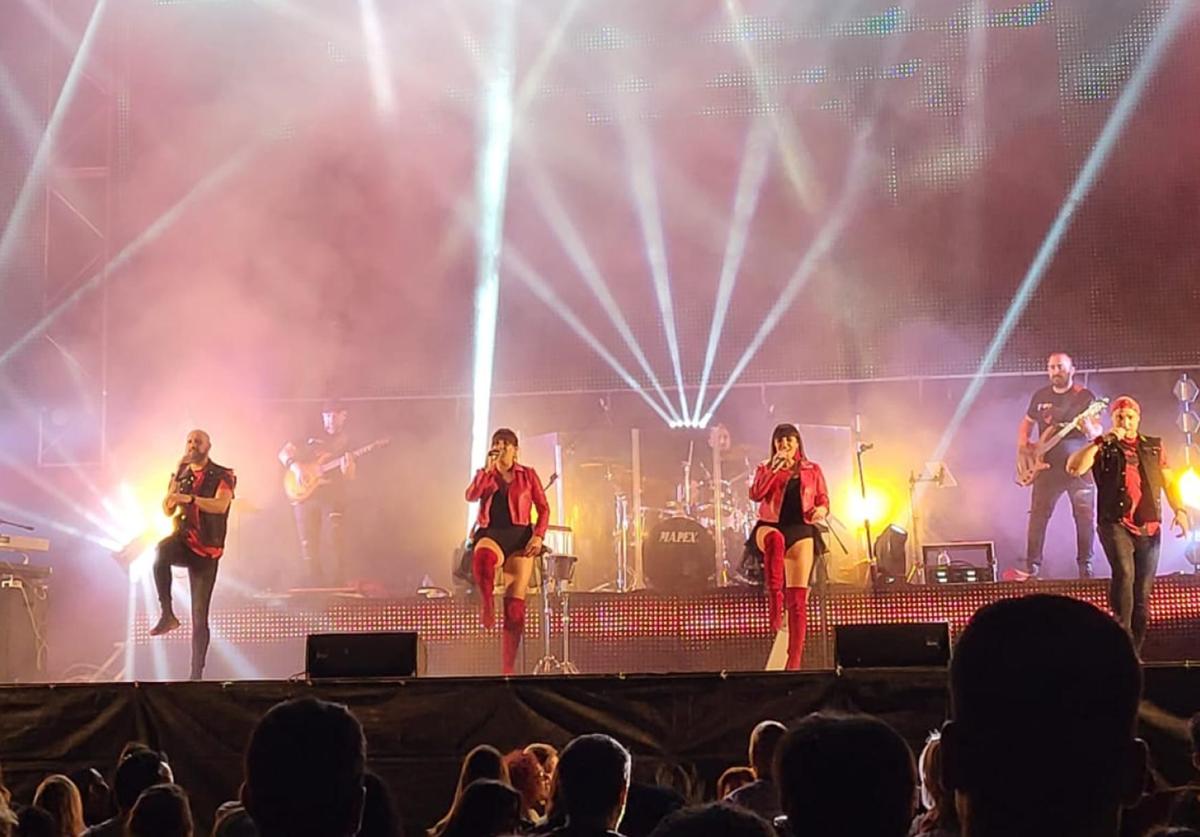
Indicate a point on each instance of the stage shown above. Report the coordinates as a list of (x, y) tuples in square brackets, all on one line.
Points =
[(418, 729), (711, 647), (717, 630)]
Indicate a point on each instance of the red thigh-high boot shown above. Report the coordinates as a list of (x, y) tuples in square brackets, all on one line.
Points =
[(483, 569), (514, 627), (773, 547), (797, 609)]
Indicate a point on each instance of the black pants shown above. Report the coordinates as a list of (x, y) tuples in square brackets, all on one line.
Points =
[(309, 516), (202, 577), (1047, 489), (1134, 562)]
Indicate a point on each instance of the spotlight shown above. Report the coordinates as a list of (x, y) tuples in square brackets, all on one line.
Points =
[(1189, 488), (890, 555)]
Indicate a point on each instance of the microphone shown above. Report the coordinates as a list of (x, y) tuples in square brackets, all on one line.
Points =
[(863, 447), (551, 481)]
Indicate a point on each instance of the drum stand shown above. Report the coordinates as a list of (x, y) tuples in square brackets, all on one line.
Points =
[(622, 583), (556, 572)]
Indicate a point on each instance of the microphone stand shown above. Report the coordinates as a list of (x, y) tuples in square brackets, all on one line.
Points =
[(15, 525), (860, 449)]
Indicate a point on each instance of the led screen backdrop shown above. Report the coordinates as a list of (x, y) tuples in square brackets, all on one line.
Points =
[(861, 186)]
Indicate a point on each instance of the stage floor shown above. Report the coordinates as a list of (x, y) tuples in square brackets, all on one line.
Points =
[(717, 630)]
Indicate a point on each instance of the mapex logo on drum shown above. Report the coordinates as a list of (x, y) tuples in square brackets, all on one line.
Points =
[(678, 537)]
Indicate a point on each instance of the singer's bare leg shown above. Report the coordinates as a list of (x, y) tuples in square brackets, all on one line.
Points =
[(518, 569), (798, 563)]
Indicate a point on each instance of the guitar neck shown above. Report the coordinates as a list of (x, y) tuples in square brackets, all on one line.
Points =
[(1067, 428), (1060, 435), (354, 454)]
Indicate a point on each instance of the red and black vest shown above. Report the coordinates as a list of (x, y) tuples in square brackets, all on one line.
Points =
[(212, 526), (1112, 497)]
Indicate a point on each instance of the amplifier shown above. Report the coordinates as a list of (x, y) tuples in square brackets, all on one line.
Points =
[(24, 596), (959, 562)]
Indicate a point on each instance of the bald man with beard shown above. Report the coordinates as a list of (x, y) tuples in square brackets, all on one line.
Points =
[(199, 495), (1052, 406)]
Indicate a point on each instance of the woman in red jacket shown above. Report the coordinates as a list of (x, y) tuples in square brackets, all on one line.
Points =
[(792, 499), (506, 536)]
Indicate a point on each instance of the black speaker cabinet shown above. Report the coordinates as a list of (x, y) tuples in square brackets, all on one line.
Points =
[(383, 654), (892, 646), (24, 597)]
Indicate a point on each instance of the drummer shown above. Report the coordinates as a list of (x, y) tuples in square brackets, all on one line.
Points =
[(793, 500)]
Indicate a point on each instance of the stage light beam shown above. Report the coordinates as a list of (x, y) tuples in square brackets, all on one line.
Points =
[(491, 183), (796, 162), (750, 179), (826, 236), (143, 240), (378, 65), (568, 235), (541, 288), (645, 190), (18, 110), (41, 157), (1094, 163)]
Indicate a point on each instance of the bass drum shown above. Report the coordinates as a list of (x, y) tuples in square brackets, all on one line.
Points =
[(678, 556)]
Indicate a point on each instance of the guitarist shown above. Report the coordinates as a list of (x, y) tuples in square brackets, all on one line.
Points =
[(328, 502), (1049, 409)]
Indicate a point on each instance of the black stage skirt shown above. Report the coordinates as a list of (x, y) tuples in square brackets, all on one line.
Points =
[(512, 539), (792, 533)]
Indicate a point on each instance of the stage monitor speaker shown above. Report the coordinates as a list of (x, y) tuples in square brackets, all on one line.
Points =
[(382, 654), (892, 646)]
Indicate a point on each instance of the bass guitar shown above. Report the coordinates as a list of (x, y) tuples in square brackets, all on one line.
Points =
[(299, 487), (1031, 461)]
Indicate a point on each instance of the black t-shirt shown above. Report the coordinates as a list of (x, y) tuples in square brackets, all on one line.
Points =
[(1049, 408), (791, 511), (309, 448), (499, 514)]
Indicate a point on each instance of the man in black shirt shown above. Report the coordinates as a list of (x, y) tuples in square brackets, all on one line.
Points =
[(1053, 406), (328, 501)]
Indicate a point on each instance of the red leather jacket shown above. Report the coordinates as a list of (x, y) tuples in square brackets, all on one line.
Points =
[(525, 491), (768, 487)]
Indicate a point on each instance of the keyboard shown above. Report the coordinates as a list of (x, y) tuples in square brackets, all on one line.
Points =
[(22, 543)]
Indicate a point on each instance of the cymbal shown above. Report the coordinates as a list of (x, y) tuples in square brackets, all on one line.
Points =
[(605, 463)]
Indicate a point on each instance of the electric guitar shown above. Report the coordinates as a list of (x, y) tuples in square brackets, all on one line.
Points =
[(1031, 461), (312, 474)]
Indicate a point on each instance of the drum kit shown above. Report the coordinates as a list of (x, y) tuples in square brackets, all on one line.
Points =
[(682, 522)]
